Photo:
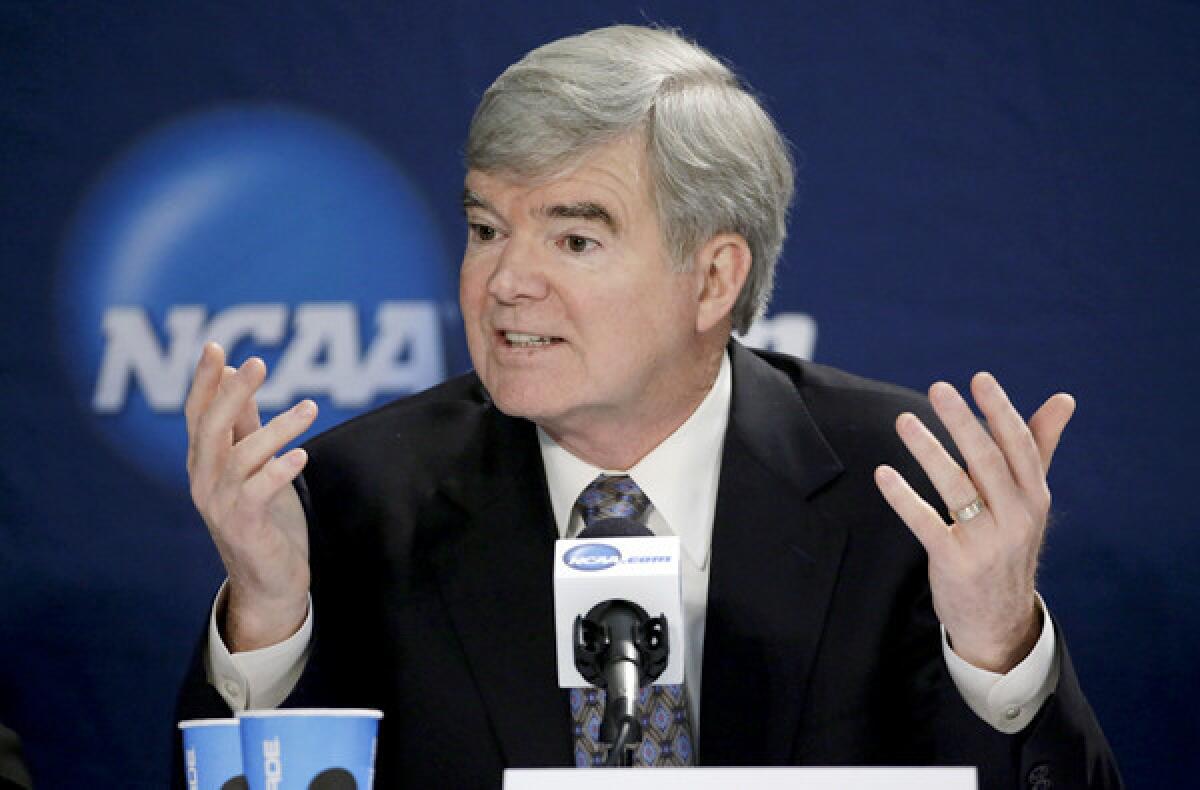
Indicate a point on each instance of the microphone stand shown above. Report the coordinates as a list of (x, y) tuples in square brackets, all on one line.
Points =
[(618, 647)]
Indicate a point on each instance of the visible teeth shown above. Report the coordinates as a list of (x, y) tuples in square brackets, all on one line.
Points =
[(522, 339)]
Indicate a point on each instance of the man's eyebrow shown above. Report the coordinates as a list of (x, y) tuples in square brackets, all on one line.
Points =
[(585, 209), (471, 200)]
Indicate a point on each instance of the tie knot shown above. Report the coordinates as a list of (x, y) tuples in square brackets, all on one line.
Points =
[(612, 496)]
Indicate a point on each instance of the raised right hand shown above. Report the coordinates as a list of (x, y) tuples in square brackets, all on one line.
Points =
[(244, 493)]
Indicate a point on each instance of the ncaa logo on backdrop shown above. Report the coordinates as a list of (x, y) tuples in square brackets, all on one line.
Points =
[(271, 231)]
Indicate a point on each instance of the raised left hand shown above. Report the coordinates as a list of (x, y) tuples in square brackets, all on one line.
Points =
[(982, 568)]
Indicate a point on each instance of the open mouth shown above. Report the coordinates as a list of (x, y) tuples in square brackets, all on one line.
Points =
[(526, 340)]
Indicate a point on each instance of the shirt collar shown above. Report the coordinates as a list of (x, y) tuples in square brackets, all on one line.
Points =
[(680, 476)]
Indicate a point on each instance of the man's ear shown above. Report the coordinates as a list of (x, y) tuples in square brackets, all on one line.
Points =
[(721, 267)]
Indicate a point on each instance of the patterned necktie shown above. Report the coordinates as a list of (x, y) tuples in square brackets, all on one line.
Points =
[(666, 734)]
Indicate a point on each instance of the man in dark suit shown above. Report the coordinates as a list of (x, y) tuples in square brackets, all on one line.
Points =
[(626, 203)]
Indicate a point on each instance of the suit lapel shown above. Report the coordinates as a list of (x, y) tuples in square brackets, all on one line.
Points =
[(494, 558), (775, 558)]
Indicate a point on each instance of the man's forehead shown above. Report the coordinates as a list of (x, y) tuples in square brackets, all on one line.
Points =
[(610, 175), (581, 179)]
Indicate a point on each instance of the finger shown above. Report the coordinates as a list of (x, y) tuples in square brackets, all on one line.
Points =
[(228, 376), (207, 461), (952, 483), (247, 422), (1010, 432), (205, 383), (268, 481), (238, 385), (986, 464), (214, 430), (257, 449), (918, 515), (1047, 425)]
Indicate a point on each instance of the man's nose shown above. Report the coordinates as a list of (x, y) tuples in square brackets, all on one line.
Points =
[(520, 272)]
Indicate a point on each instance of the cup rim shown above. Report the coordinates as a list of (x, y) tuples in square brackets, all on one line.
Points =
[(188, 724), (358, 713)]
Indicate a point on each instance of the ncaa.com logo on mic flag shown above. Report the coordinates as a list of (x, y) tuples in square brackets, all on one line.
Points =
[(592, 557), (271, 231)]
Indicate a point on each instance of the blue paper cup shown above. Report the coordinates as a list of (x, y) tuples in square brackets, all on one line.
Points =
[(212, 754), (309, 748)]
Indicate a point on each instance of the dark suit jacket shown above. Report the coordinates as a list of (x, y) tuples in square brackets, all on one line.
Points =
[(13, 773), (432, 537)]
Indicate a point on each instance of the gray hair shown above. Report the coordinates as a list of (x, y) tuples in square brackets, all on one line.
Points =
[(718, 163)]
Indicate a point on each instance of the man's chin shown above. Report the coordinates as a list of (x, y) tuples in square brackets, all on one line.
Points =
[(520, 404)]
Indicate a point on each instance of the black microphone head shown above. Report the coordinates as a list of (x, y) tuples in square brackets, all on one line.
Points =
[(615, 528)]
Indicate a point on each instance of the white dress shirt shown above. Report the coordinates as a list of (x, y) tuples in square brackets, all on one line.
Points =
[(680, 478)]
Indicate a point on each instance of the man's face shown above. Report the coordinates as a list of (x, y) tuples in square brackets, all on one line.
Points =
[(574, 316)]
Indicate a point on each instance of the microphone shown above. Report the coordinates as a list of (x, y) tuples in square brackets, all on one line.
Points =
[(616, 578)]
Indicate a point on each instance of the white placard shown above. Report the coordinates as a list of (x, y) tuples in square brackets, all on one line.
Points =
[(940, 778)]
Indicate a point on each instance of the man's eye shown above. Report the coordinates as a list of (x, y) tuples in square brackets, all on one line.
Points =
[(575, 243), (483, 232)]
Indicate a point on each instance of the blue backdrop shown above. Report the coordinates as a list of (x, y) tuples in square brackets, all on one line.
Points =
[(1008, 186)]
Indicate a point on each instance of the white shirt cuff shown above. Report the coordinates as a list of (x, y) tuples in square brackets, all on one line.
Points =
[(1009, 702), (256, 679)]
